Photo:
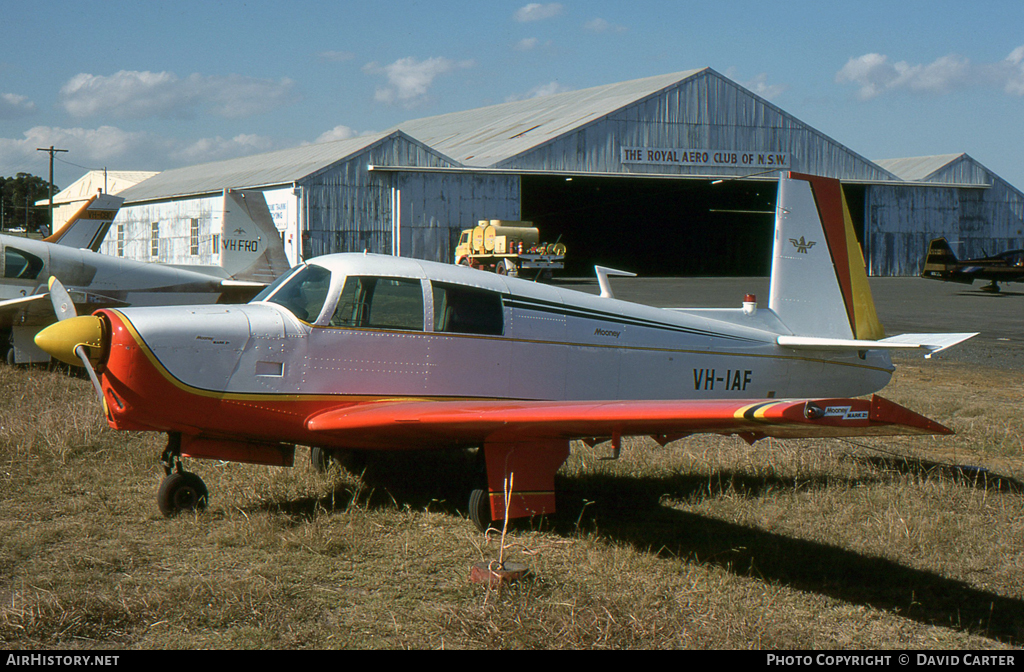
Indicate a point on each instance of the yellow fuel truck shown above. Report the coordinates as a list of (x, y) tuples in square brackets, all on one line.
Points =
[(509, 248)]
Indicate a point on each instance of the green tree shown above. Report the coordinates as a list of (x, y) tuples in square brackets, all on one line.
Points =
[(18, 196)]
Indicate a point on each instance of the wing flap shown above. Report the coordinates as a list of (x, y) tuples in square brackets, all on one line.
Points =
[(451, 422)]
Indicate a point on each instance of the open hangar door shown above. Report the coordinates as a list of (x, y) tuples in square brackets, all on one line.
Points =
[(660, 227)]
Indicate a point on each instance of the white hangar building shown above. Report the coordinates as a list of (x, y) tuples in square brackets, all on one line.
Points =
[(628, 175)]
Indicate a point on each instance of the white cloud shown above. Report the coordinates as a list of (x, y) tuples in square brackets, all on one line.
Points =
[(336, 133), (874, 75), (599, 25), (1011, 72), (761, 87), (526, 44), (549, 89), (13, 106), (109, 146), (216, 149), (535, 11), (409, 79), (143, 94)]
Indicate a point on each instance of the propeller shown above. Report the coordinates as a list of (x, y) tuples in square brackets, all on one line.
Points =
[(72, 338)]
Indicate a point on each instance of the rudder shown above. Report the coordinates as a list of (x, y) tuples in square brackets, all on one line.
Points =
[(819, 286)]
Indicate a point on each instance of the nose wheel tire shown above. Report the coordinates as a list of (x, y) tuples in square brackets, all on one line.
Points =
[(182, 491)]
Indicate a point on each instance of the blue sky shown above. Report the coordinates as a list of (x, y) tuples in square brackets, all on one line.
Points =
[(156, 85)]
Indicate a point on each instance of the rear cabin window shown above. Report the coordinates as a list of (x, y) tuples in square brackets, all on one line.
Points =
[(380, 303), (467, 310), (304, 293)]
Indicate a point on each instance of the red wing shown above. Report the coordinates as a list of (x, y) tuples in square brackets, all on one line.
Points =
[(422, 424)]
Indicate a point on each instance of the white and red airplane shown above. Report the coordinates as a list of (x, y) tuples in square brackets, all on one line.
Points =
[(358, 352)]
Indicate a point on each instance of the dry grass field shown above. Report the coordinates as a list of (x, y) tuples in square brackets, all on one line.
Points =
[(707, 543)]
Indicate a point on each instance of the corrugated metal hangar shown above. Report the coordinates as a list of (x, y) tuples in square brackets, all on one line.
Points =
[(667, 175)]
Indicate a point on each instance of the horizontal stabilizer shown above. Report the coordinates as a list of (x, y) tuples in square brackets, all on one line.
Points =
[(933, 343)]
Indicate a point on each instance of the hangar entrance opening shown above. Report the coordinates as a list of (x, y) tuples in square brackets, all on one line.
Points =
[(662, 227), (655, 227)]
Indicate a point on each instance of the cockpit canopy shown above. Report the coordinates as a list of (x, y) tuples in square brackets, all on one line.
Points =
[(385, 302)]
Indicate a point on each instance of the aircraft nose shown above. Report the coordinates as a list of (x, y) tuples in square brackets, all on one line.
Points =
[(62, 339)]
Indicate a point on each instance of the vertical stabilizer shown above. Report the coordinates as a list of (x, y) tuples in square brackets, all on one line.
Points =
[(251, 248), (87, 228), (819, 286)]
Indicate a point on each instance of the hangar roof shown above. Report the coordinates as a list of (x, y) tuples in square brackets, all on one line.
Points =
[(488, 135), (919, 167), (261, 170), (85, 187)]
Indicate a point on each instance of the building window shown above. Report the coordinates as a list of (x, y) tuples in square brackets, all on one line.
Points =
[(194, 237), (120, 240), (154, 240)]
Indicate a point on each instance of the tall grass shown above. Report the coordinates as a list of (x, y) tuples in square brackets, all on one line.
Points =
[(706, 543)]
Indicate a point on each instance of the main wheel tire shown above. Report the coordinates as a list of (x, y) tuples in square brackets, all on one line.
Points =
[(320, 458), (182, 491), (480, 509)]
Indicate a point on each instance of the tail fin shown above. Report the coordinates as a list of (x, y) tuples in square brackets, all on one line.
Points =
[(251, 248), (819, 287), (88, 227), (941, 263)]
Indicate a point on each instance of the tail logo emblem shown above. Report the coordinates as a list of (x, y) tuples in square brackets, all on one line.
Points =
[(802, 245)]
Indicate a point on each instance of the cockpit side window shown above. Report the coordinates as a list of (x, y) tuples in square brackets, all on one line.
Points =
[(380, 303), (21, 265), (467, 310), (304, 293)]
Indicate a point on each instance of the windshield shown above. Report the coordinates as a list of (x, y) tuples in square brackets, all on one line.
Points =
[(303, 293)]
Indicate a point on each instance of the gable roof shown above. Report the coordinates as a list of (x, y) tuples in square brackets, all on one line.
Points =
[(489, 135), (277, 168), (918, 168)]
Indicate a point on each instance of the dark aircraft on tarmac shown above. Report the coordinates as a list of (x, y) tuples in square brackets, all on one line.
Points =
[(942, 264)]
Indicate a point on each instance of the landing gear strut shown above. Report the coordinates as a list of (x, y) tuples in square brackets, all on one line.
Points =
[(180, 490)]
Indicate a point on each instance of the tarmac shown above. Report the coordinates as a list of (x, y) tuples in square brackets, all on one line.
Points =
[(904, 305)]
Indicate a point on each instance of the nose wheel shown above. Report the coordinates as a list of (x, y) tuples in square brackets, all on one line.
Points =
[(180, 490)]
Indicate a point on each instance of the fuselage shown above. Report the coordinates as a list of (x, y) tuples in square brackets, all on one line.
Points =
[(351, 328), (28, 264)]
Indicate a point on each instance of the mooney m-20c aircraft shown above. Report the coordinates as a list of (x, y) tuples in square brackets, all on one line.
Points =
[(358, 352), (942, 264), (251, 257)]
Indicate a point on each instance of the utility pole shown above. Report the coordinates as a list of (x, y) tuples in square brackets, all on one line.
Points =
[(51, 151)]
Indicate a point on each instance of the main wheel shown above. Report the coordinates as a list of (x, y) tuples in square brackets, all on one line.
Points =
[(320, 459), (480, 509), (182, 491)]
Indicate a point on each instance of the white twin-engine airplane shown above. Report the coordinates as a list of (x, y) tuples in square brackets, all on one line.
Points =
[(359, 352)]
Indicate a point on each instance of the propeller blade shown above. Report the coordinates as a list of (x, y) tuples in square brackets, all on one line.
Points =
[(63, 306), (82, 355)]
